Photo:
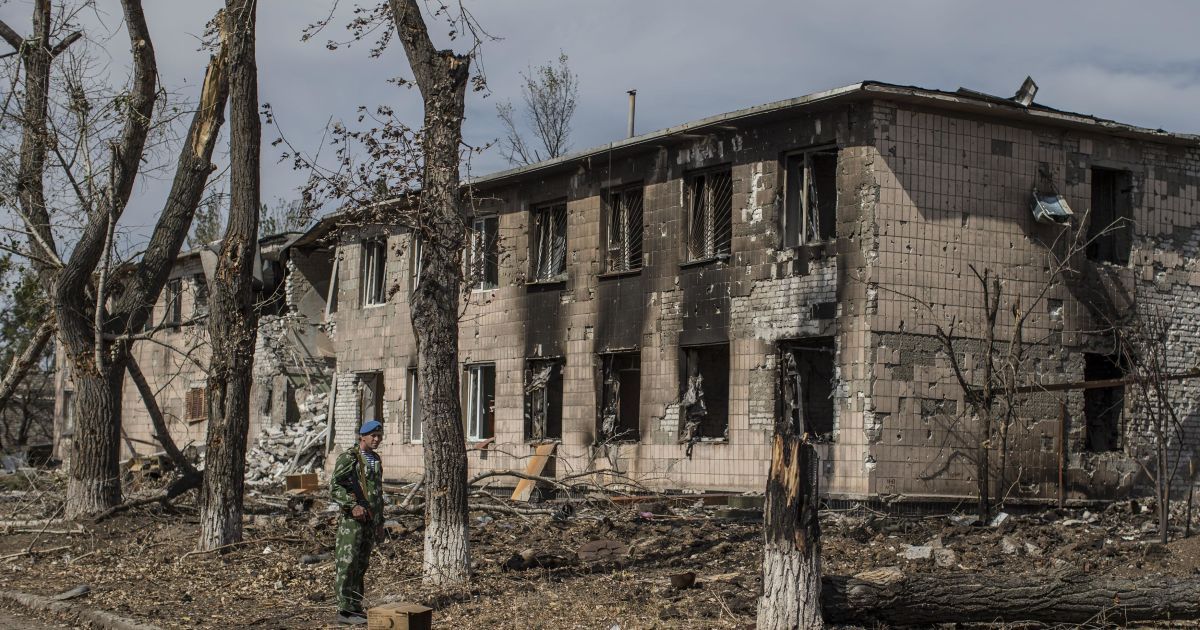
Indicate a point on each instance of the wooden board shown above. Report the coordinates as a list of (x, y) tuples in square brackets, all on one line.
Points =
[(536, 465)]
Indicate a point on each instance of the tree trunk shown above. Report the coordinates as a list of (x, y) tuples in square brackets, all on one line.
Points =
[(94, 482), (442, 77), (22, 362), (890, 597), (792, 539), (232, 320)]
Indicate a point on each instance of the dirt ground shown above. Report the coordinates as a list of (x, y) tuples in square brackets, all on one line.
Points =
[(142, 564)]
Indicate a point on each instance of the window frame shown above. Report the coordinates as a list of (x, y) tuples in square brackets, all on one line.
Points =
[(627, 256), (1113, 242), (416, 418), (416, 247), (796, 201), (372, 286), (685, 371), (552, 399), (475, 414), (535, 242), (483, 254), (173, 304), (714, 232)]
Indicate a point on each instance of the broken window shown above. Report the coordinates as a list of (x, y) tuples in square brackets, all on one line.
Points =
[(810, 197), (549, 251), (68, 413), (196, 403), (416, 426), (483, 269), (174, 303), (1103, 406), (370, 397), (200, 293), (710, 214), (481, 401), (543, 399), (704, 402), (1110, 221), (806, 375), (415, 248), (374, 264), (623, 230), (620, 393)]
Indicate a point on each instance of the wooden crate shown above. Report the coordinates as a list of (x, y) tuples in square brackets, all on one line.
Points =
[(400, 616), (303, 483)]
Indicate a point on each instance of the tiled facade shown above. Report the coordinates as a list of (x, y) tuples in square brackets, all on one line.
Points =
[(926, 185)]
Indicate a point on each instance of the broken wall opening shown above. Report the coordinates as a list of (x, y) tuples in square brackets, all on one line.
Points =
[(370, 397), (806, 386), (810, 196), (543, 399), (620, 396), (704, 401), (1110, 220), (1103, 407)]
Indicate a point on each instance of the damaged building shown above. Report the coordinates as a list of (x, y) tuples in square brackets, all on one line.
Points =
[(293, 363), (656, 305)]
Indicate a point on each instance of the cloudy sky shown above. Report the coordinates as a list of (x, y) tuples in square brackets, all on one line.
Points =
[(1136, 63)]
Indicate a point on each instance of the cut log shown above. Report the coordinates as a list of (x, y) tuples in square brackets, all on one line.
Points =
[(890, 597)]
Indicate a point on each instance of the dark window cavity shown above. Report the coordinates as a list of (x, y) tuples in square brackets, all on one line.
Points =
[(810, 197), (710, 214), (620, 393), (1103, 407), (1110, 220), (543, 399), (623, 230), (704, 401), (416, 426), (200, 294), (374, 264), (174, 302), (549, 251), (484, 258), (806, 386), (481, 401)]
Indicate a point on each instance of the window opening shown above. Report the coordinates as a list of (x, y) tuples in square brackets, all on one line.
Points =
[(174, 298), (1103, 407), (481, 401), (550, 243), (1110, 221), (543, 399), (810, 197), (200, 291), (197, 404), (710, 215), (483, 261), (623, 230), (621, 386), (416, 246), (806, 370), (370, 397), (374, 264), (705, 399), (416, 426)]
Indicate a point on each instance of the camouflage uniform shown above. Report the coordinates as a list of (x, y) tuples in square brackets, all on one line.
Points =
[(355, 538)]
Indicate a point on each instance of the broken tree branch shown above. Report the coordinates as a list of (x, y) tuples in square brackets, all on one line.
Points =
[(24, 361)]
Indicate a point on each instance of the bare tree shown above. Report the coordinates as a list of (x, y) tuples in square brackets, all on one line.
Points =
[(232, 322), (95, 309), (549, 92)]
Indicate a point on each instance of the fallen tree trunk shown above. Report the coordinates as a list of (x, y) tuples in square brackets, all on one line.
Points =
[(889, 596)]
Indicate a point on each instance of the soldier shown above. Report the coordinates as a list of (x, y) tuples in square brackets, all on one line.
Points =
[(357, 486)]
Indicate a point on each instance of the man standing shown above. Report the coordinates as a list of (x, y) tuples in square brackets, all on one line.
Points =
[(357, 487)]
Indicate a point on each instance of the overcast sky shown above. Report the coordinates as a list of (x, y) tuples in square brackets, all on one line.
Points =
[(1136, 63)]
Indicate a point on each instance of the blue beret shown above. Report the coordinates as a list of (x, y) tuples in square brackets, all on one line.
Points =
[(369, 426)]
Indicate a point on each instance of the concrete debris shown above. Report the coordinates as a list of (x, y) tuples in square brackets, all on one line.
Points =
[(999, 519), (918, 552), (1009, 546), (298, 447), (945, 558)]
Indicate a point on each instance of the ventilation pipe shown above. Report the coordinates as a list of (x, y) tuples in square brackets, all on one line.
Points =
[(632, 109)]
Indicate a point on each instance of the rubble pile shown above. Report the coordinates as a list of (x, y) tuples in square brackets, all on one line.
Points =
[(298, 447)]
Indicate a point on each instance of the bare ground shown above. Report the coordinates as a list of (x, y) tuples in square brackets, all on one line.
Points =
[(141, 565)]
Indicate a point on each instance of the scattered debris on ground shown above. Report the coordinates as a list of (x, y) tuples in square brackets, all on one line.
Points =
[(672, 563), (298, 447)]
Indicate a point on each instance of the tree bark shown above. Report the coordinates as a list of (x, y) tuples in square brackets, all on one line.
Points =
[(441, 76), (791, 539), (232, 319), (93, 481), (890, 597)]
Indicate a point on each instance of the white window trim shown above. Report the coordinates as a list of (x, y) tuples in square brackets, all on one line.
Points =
[(474, 392), (413, 393)]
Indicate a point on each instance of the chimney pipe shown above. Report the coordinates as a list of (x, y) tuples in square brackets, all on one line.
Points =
[(632, 109)]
